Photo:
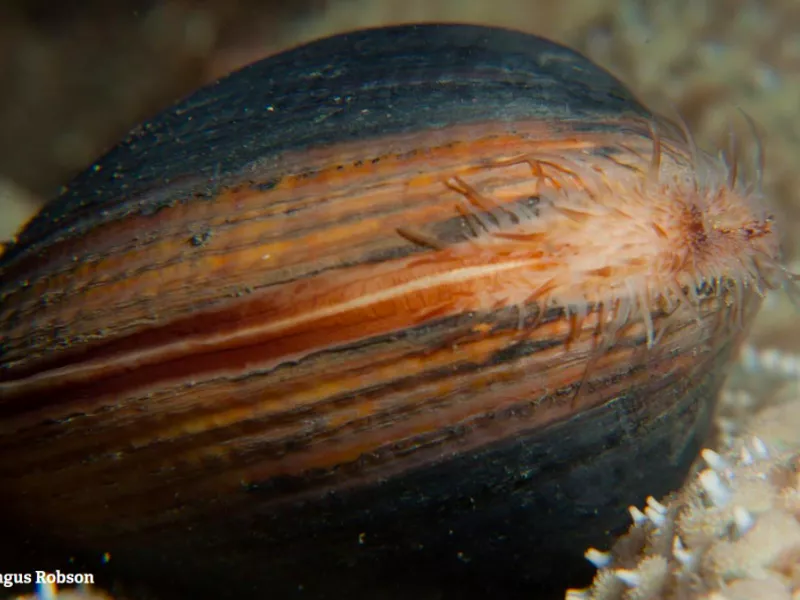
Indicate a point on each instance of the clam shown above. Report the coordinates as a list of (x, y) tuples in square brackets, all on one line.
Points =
[(413, 308)]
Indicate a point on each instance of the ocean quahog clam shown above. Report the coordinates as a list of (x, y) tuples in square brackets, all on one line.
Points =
[(413, 308)]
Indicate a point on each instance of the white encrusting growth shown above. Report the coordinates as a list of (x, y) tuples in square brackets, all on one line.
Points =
[(597, 558), (656, 505), (50, 591), (682, 555), (46, 591), (629, 578), (658, 519), (743, 519), (716, 490), (770, 361), (715, 461), (759, 447), (638, 517), (745, 458), (732, 533)]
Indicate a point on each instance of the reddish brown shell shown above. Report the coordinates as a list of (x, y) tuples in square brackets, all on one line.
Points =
[(247, 349)]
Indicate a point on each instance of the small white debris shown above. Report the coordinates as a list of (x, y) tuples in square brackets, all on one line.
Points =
[(738, 399), (745, 458), (770, 361), (574, 594), (729, 429), (749, 359), (46, 591), (715, 461), (743, 520), (656, 505), (682, 555), (630, 578), (759, 448), (658, 519), (717, 492), (598, 558), (775, 362), (638, 517)]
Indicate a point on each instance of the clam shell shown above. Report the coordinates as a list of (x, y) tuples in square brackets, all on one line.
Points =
[(261, 344)]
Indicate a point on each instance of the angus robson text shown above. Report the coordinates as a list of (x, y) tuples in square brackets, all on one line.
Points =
[(10, 579)]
